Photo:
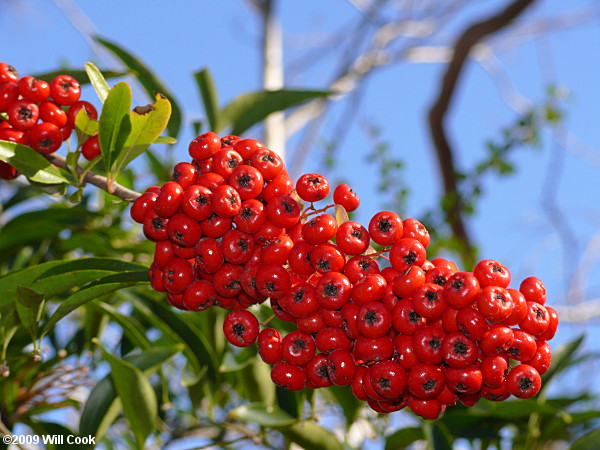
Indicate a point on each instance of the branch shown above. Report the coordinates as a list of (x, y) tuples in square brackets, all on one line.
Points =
[(469, 38), (97, 180)]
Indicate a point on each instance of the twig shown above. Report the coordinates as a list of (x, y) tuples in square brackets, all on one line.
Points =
[(97, 180), (465, 43)]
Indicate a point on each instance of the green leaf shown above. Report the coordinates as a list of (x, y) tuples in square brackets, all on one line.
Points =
[(199, 351), (249, 109), (147, 79), (159, 170), (55, 277), (113, 121), (85, 123), (404, 437), (132, 329), (587, 441), (349, 403), (29, 305), (146, 125), (105, 285), (137, 397), (56, 429), (437, 435), (103, 407), (30, 163), (165, 140), (561, 360), (312, 436), (208, 92), (266, 416), (98, 82)]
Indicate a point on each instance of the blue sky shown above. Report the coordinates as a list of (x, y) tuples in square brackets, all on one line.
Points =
[(512, 224)]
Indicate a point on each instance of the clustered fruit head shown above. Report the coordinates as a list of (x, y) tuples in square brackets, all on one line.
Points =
[(232, 230), (40, 114)]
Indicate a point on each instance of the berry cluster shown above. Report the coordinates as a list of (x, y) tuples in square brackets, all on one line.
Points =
[(233, 230), (40, 114)]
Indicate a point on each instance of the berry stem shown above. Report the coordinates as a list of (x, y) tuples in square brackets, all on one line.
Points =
[(267, 320), (314, 211), (379, 253), (97, 180)]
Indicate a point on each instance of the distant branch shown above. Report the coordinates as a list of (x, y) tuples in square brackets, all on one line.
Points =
[(469, 38), (97, 180)]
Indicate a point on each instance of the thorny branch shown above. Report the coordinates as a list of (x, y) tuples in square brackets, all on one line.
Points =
[(437, 114), (97, 180)]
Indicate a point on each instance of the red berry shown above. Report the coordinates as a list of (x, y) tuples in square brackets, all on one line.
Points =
[(534, 290), (78, 106), (407, 252), (33, 89), (269, 345), (65, 90), (91, 148), (385, 228), (226, 201), (523, 381), (490, 272), (344, 196), (352, 238), (199, 295), (298, 348), (241, 327), (9, 93), (185, 174), (341, 367), (204, 146), (319, 229), (288, 376), (23, 114), (45, 137), (283, 211), (312, 187)]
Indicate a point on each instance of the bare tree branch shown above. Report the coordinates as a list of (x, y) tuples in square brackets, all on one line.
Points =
[(97, 180), (468, 39)]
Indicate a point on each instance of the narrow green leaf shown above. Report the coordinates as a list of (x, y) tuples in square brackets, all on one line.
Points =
[(266, 416), (165, 140), (131, 327), (112, 120), (249, 109), (55, 277), (349, 403), (208, 93), (30, 305), (200, 353), (56, 429), (146, 125), (85, 123), (438, 435), (587, 441), (105, 285), (404, 437), (147, 79), (561, 360), (98, 82), (159, 170), (137, 397), (103, 407), (310, 435), (30, 163)]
